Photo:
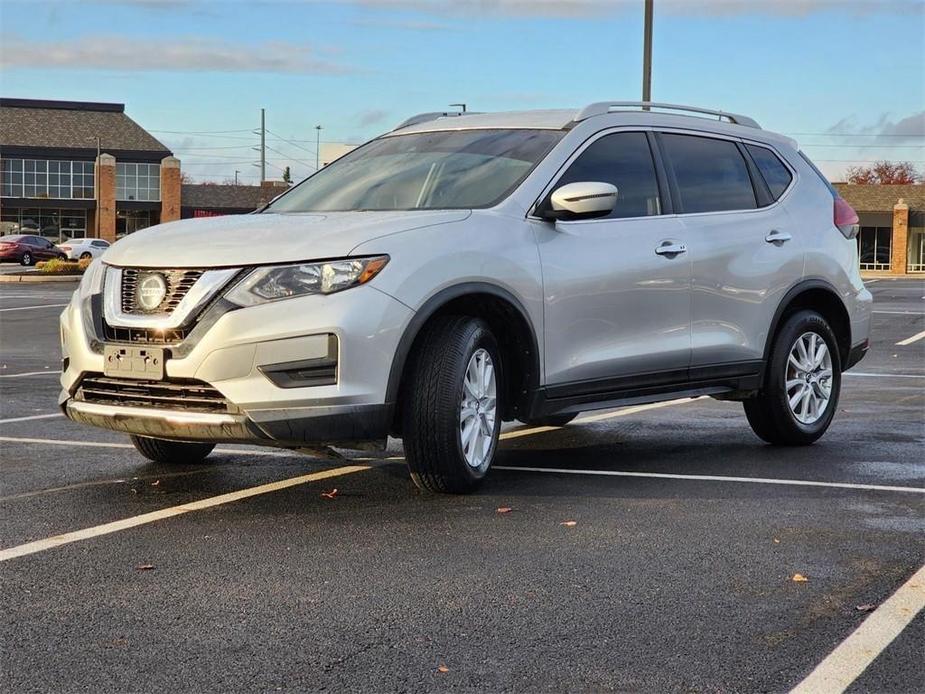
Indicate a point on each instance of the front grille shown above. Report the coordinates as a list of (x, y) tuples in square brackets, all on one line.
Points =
[(178, 282), (145, 336), (180, 394)]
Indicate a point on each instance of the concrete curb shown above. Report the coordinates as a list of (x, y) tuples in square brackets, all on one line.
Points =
[(39, 278)]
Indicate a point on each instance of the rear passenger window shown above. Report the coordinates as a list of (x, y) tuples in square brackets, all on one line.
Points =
[(711, 174), (625, 160), (772, 169)]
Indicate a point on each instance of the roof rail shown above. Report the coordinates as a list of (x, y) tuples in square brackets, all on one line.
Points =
[(432, 115), (601, 107)]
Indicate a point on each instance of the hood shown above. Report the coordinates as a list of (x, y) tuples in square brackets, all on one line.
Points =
[(261, 239)]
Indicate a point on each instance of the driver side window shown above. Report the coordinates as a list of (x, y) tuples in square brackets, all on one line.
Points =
[(624, 160)]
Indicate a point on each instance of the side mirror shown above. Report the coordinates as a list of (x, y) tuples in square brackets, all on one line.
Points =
[(584, 200)]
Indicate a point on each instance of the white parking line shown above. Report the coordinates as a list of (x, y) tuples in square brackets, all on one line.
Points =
[(863, 374), (27, 308), (901, 313), (108, 444), (31, 417), (31, 373), (146, 518), (715, 478), (853, 655), (910, 340)]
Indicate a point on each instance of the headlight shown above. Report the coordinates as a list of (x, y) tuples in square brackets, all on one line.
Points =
[(92, 281), (286, 281)]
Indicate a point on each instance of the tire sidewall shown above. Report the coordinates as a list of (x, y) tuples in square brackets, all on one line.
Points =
[(26, 259), (479, 338), (796, 325)]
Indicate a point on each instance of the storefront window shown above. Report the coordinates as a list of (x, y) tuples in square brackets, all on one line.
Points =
[(916, 262), (55, 225), (138, 182), (874, 248), (130, 221), (38, 178)]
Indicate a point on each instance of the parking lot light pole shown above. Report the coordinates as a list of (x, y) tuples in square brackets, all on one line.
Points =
[(647, 53), (317, 147)]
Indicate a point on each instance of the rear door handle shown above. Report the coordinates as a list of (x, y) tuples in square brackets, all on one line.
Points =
[(671, 248), (775, 236)]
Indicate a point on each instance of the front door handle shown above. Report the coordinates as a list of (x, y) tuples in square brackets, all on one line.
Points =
[(775, 236), (671, 248)]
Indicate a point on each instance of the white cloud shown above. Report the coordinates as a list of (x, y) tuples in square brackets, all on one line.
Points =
[(885, 130), (126, 54), (371, 117)]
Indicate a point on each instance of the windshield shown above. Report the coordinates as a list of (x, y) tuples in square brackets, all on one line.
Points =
[(436, 170)]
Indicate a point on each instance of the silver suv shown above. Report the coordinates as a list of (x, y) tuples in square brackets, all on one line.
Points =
[(468, 269)]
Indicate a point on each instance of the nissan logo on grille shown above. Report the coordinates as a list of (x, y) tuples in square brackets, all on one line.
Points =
[(152, 288)]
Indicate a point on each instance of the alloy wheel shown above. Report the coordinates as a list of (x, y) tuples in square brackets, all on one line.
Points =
[(477, 409), (808, 378)]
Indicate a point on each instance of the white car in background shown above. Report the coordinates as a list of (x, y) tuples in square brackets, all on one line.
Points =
[(77, 249)]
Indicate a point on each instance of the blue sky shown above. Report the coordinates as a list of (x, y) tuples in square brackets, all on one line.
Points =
[(846, 78)]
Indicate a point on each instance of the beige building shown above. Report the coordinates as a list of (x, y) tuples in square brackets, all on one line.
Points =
[(892, 218)]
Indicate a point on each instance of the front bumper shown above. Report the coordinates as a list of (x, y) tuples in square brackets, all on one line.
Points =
[(236, 355)]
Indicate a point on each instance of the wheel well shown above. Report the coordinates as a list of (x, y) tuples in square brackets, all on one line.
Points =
[(830, 307), (516, 340)]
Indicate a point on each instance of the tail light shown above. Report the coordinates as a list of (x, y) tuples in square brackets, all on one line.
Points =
[(846, 219)]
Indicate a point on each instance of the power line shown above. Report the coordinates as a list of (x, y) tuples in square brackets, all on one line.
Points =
[(291, 142), (852, 146)]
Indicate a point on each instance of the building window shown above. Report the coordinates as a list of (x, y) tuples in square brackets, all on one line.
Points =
[(874, 248), (916, 261), (39, 178), (55, 225), (138, 181), (130, 221)]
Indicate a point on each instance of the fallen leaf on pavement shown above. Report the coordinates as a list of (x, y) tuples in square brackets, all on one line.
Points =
[(799, 578), (442, 668), (865, 608), (144, 567), (569, 524), (330, 495), (155, 483), (504, 509), (776, 541)]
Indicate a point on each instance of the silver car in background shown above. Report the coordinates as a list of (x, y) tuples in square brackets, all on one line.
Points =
[(468, 269)]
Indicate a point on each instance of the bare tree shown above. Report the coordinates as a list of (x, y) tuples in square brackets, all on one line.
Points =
[(884, 173)]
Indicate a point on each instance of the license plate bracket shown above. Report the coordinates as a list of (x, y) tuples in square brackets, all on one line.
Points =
[(143, 363)]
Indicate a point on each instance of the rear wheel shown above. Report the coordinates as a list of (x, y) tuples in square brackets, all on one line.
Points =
[(172, 452), (451, 411), (26, 259), (800, 396), (85, 255)]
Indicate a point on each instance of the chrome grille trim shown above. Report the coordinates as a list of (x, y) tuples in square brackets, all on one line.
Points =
[(205, 287), (179, 282)]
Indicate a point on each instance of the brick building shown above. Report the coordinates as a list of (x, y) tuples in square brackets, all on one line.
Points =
[(52, 183), (892, 218)]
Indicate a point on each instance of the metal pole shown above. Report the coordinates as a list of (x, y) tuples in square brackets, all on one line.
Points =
[(317, 147), (96, 189), (263, 146), (647, 54), (236, 172)]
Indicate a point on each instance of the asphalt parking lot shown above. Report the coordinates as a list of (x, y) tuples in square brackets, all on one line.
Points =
[(646, 549)]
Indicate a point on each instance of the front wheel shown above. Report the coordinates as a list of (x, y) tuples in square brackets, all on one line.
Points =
[(172, 452), (451, 414), (803, 383)]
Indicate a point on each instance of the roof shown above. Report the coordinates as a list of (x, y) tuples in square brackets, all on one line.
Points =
[(881, 198), (73, 125), (216, 196)]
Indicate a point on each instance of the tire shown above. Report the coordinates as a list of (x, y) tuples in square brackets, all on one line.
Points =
[(556, 420), (85, 255), (172, 452), (27, 259), (434, 397), (770, 413)]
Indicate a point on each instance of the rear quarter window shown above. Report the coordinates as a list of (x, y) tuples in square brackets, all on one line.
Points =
[(772, 169)]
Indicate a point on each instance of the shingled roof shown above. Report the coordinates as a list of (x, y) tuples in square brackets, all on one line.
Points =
[(215, 196), (73, 125), (881, 198)]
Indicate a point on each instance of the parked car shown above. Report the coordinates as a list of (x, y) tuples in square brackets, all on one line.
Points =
[(78, 249), (27, 249), (466, 269)]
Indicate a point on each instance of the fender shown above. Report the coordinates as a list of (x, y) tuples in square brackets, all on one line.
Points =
[(792, 293), (431, 306)]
